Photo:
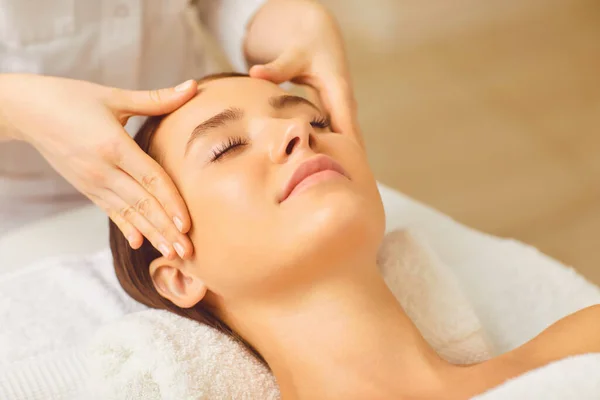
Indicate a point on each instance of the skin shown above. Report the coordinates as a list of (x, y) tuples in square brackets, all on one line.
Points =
[(78, 126), (298, 279)]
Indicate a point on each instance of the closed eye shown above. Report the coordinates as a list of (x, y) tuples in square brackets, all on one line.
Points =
[(232, 143), (321, 122), (236, 142)]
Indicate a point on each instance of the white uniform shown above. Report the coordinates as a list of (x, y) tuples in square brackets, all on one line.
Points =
[(131, 44)]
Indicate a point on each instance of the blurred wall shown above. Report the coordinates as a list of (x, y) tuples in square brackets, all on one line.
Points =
[(488, 111)]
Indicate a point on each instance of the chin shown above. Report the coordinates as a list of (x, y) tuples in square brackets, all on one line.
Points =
[(339, 225), (323, 229)]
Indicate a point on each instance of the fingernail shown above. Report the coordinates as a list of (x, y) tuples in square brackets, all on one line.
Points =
[(164, 250), (182, 87), (179, 249), (130, 239), (178, 224)]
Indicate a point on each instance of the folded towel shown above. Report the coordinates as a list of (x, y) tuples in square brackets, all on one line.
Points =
[(49, 310), (156, 354), (164, 356), (576, 378)]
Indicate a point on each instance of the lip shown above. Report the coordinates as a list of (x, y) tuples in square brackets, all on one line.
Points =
[(309, 168)]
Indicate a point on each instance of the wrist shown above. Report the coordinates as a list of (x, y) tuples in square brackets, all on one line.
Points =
[(7, 130), (279, 25)]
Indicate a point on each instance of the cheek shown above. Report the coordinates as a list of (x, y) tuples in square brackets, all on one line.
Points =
[(354, 160), (229, 206), (360, 207)]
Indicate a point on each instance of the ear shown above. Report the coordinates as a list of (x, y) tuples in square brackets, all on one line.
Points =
[(173, 283)]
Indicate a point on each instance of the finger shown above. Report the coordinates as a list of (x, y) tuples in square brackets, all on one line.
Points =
[(286, 67), (335, 96), (149, 208), (152, 177), (133, 236), (338, 99), (128, 213), (152, 102)]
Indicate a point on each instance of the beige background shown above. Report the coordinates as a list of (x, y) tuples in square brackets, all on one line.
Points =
[(487, 110)]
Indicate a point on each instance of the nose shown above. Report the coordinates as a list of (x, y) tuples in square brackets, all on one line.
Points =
[(297, 135)]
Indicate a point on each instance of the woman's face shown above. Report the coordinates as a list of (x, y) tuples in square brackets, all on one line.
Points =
[(236, 152)]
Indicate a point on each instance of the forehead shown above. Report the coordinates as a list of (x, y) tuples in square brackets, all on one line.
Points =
[(248, 94)]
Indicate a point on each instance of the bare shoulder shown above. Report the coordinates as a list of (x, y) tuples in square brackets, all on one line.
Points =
[(578, 333), (575, 334)]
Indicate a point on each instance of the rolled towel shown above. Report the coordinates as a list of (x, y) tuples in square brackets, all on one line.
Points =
[(155, 354), (432, 297)]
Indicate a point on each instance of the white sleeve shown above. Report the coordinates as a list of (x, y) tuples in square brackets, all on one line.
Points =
[(226, 20)]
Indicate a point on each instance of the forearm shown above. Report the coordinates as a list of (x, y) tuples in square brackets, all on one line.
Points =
[(277, 26), (226, 22), (7, 131)]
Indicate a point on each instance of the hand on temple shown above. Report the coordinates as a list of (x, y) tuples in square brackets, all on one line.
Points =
[(79, 129), (300, 41)]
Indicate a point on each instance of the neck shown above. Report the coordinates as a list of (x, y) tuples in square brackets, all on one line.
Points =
[(345, 337)]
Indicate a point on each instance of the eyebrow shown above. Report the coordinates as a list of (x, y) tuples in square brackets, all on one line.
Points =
[(223, 118), (288, 100), (234, 114)]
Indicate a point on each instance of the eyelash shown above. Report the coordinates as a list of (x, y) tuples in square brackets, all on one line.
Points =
[(321, 122), (230, 144)]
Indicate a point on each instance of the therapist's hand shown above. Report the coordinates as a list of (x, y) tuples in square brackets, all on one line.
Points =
[(300, 41), (78, 127)]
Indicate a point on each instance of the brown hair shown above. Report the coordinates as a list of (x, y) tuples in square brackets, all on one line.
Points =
[(132, 266)]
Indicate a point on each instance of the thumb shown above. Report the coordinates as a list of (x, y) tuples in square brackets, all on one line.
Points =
[(286, 67), (153, 102), (338, 99)]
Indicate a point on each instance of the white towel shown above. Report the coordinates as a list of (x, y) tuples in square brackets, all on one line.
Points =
[(164, 356), (573, 378), (157, 355), (49, 311), (432, 297)]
